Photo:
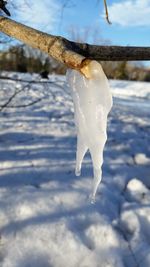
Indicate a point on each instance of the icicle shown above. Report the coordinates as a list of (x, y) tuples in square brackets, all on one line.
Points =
[(92, 102)]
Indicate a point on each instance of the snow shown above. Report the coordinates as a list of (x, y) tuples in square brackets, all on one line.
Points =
[(142, 159), (126, 89), (46, 219), (92, 102)]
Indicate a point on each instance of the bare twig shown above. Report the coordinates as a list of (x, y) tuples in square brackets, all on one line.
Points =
[(25, 105), (24, 81), (106, 12), (31, 82), (66, 4), (45, 83), (6, 104), (10, 99)]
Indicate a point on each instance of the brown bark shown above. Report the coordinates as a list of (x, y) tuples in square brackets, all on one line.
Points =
[(55, 46), (72, 54)]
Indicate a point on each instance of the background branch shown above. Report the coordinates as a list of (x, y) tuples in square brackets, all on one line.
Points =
[(24, 105), (106, 12), (6, 104), (26, 86)]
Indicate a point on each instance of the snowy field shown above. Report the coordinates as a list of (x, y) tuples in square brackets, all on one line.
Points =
[(46, 218)]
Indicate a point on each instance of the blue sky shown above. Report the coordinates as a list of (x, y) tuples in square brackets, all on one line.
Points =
[(130, 19), (127, 28)]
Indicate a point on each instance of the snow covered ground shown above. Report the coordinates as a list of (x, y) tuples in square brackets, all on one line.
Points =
[(46, 219)]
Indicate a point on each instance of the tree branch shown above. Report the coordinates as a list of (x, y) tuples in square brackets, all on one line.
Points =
[(6, 104), (26, 86), (72, 54), (31, 82), (10, 99), (106, 12), (24, 105), (55, 46)]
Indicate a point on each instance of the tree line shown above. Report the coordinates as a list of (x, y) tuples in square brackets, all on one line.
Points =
[(22, 58)]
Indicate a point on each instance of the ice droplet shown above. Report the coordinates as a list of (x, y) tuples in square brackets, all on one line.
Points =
[(92, 102)]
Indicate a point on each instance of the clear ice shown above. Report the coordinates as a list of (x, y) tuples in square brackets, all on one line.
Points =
[(92, 102)]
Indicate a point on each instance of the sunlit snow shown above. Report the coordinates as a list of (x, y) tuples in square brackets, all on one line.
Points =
[(46, 218)]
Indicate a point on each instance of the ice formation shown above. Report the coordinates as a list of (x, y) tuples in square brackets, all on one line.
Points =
[(92, 102)]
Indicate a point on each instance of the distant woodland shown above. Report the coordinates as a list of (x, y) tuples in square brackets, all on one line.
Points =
[(22, 58)]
